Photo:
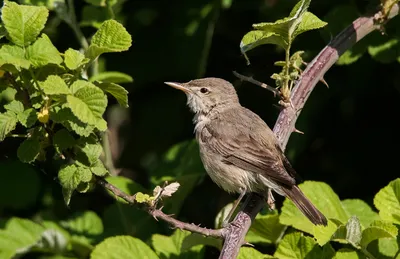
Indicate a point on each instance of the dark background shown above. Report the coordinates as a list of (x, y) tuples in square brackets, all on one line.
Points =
[(351, 135)]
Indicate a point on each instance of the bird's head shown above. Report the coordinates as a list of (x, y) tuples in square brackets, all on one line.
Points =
[(205, 94)]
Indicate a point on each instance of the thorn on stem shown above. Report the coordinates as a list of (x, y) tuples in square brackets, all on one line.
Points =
[(322, 80), (298, 131)]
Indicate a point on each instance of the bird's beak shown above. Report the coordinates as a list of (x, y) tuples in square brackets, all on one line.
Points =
[(178, 86)]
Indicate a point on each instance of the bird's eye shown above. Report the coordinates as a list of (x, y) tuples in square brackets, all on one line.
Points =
[(203, 90)]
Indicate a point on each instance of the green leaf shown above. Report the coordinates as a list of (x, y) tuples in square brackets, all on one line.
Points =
[(308, 22), (349, 233), (14, 55), (8, 122), (196, 239), (353, 228), (254, 39), (385, 52), (387, 201), (74, 59), (15, 107), (117, 91), (323, 197), (385, 248), (143, 198), (121, 247), (28, 117), (98, 168), (85, 226), (88, 104), (19, 236), (183, 164), (54, 85), (96, 2), (111, 37), (350, 56), (42, 52), (52, 241), (70, 177), (377, 230), (23, 23), (222, 214), (346, 253), (126, 185), (171, 246), (360, 209), (29, 150), (62, 140), (297, 246), (265, 229), (251, 253), (79, 84), (324, 234), (125, 219), (283, 29), (112, 77), (89, 151), (79, 127), (19, 189), (65, 116)]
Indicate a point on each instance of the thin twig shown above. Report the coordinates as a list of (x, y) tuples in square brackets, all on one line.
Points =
[(217, 233), (285, 123), (253, 81), (158, 214), (117, 192)]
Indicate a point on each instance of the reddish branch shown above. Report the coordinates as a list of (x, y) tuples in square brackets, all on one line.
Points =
[(235, 233), (158, 214), (285, 123)]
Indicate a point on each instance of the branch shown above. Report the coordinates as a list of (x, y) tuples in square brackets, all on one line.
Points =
[(158, 214), (263, 85), (285, 123)]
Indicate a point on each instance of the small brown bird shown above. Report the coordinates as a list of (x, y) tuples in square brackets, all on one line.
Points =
[(239, 151)]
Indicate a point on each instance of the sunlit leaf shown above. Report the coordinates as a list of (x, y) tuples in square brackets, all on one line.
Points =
[(23, 23), (323, 197), (54, 85), (122, 247), (265, 229), (111, 37), (112, 77), (15, 55), (119, 92), (377, 230), (74, 59), (42, 52), (387, 201)]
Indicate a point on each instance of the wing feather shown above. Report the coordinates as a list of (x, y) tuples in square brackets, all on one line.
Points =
[(244, 140)]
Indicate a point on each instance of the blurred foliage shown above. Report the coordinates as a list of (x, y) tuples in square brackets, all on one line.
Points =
[(349, 144)]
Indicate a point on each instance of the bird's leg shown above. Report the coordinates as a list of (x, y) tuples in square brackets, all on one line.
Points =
[(270, 200), (235, 204)]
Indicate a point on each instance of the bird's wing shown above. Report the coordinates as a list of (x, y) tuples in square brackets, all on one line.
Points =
[(248, 144)]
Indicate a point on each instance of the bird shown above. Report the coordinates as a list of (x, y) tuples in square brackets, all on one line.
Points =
[(240, 153)]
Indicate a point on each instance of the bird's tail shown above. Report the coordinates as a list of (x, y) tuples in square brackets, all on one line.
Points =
[(305, 206)]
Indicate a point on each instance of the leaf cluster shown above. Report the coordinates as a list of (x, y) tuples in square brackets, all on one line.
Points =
[(59, 110)]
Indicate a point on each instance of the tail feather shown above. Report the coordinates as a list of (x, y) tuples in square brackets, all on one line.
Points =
[(304, 205)]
